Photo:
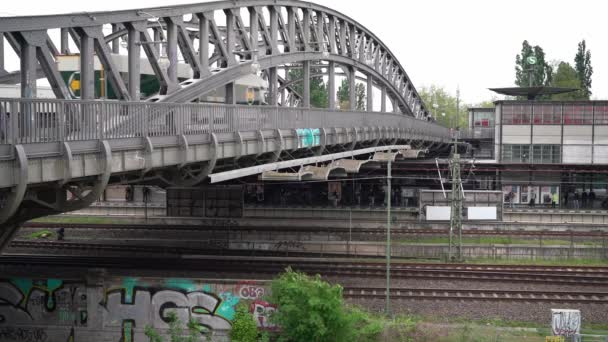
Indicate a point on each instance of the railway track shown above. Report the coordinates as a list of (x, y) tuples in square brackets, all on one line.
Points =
[(578, 297), (234, 227), (346, 268)]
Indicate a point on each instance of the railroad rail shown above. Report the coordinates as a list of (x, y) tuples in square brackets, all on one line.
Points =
[(579, 275), (234, 227), (594, 297)]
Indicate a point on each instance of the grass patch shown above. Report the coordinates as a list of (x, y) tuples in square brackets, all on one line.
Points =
[(42, 234), (76, 219), (540, 262), (497, 240)]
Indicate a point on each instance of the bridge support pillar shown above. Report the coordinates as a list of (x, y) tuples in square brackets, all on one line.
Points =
[(203, 44), (28, 70), (64, 43), (172, 50), (115, 42), (383, 100), (87, 70), (133, 62), (273, 86), (370, 93), (2, 53), (352, 94), (331, 85), (229, 98), (306, 84)]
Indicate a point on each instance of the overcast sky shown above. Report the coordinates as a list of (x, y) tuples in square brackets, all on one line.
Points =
[(466, 43)]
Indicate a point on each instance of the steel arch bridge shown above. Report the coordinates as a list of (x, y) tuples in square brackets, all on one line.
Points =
[(80, 145), (295, 31)]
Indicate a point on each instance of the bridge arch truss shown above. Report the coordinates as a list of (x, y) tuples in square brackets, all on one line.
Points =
[(219, 41)]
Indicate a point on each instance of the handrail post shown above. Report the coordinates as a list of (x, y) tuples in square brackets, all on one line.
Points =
[(14, 122), (61, 120)]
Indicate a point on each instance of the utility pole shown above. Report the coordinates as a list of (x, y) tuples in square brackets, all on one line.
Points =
[(388, 238), (455, 251)]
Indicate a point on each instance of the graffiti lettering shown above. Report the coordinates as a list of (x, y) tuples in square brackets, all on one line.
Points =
[(247, 291), (286, 245), (262, 311), (22, 334), (27, 307)]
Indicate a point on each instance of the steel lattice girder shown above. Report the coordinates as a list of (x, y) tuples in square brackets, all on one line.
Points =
[(350, 43)]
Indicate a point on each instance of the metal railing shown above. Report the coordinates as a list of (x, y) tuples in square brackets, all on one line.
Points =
[(25, 121), (477, 133)]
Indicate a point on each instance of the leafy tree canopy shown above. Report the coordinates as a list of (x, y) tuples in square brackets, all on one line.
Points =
[(344, 98), (540, 72), (446, 103), (565, 76), (584, 70), (318, 88)]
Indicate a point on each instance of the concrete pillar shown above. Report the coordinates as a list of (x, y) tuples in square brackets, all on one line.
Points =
[(203, 44), (383, 100), (253, 29), (230, 36), (291, 29), (115, 42), (230, 97), (134, 50), (274, 27), (332, 34), (273, 86), (370, 93), (306, 84), (172, 50), (87, 70), (352, 96), (306, 29), (28, 70), (64, 42), (331, 85), (320, 33)]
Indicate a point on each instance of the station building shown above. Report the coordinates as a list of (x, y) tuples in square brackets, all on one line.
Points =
[(541, 149)]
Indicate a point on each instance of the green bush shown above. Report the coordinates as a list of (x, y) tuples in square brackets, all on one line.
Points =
[(244, 328), (176, 331), (312, 310)]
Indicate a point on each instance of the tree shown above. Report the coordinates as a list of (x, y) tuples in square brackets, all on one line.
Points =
[(446, 103), (566, 77), (344, 96), (244, 328), (318, 88), (541, 71), (584, 70), (312, 310)]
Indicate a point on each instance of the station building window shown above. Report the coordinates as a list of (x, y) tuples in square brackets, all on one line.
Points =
[(547, 114), (546, 154), (578, 114), (601, 115), (516, 114), (483, 119), (516, 153)]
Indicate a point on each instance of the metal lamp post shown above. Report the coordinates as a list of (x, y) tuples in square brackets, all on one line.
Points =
[(388, 239)]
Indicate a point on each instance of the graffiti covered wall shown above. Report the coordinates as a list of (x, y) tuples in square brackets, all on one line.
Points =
[(119, 309)]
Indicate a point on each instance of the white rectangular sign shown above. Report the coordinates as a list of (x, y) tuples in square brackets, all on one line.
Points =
[(438, 213), (565, 322), (481, 213)]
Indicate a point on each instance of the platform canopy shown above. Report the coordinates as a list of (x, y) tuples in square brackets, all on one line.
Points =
[(531, 93)]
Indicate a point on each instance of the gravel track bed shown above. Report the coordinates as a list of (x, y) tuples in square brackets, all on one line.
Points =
[(463, 284), (538, 312)]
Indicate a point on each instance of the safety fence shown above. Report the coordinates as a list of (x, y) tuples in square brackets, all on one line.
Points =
[(25, 121)]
